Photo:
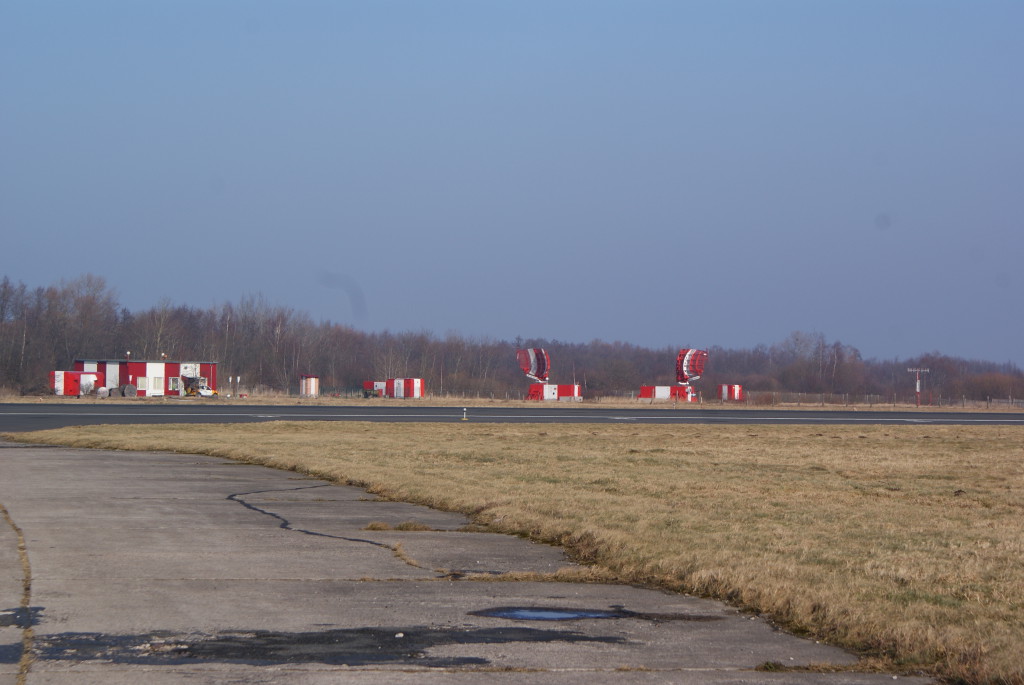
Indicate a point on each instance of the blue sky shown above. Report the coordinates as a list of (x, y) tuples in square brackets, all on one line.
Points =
[(663, 173)]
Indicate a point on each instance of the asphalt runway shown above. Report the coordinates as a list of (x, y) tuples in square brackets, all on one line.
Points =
[(17, 417)]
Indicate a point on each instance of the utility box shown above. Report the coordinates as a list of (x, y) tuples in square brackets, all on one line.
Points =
[(309, 386), (731, 392), (403, 388), (679, 393), (374, 388), (553, 392)]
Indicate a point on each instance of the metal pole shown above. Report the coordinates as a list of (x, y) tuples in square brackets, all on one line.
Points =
[(917, 392)]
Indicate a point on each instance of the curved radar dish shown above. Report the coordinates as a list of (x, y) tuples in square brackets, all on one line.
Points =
[(535, 363), (690, 365)]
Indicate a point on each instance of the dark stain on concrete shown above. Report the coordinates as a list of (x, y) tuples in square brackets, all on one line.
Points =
[(354, 647), (20, 617)]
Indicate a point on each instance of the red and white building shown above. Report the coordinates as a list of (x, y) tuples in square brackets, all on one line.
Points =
[(407, 388), (678, 393), (553, 392), (150, 378), (731, 392), (374, 388), (401, 388), (309, 386), (75, 383)]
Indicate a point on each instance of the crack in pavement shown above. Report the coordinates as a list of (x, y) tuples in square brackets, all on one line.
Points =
[(285, 524), (24, 616)]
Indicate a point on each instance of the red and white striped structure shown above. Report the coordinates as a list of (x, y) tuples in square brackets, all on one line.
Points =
[(535, 363), (150, 378), (75, 383), (407, 388), (551, 391), (374, 388), (690, 365), (679, 393), (309, 386), (731, 392)]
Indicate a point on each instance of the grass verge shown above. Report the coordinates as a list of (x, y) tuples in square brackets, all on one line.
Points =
[(904, 543)]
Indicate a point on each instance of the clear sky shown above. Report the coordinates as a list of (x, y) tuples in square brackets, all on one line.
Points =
[(658, 172)]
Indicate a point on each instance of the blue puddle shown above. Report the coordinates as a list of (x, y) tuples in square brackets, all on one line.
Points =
[(569, 614)]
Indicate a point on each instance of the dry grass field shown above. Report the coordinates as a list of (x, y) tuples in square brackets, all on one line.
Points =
[(904, 543)]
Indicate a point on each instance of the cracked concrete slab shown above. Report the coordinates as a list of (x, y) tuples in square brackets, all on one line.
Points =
[(466, 553), (173, 567)]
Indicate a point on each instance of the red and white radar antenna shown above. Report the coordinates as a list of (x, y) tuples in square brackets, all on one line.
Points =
[(690, 365), (535, 363)]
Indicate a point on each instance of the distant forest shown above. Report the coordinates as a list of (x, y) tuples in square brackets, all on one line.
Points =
[(269, 347)]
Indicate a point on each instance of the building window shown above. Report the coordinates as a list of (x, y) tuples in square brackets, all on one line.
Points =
[(174, 384), (142, 383)]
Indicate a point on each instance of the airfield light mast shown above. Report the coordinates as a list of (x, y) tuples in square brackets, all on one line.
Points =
[(917, 392)]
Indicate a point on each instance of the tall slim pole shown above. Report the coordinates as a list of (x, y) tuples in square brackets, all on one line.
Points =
[(917, 391)]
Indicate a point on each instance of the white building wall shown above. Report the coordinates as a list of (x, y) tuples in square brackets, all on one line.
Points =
[(155, 374), (113, 375)]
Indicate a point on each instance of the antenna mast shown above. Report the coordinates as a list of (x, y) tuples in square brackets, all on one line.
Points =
[(917, 391)]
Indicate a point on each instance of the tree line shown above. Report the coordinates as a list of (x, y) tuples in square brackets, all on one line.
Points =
[(262, 347)]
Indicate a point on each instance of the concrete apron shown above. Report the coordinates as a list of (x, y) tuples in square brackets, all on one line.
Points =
[(167, 567)]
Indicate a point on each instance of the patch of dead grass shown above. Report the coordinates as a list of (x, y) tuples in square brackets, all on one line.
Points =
[(405, 526), (902, 542)]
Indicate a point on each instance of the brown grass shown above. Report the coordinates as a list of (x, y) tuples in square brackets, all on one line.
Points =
[(904, 543), (406, 526)]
